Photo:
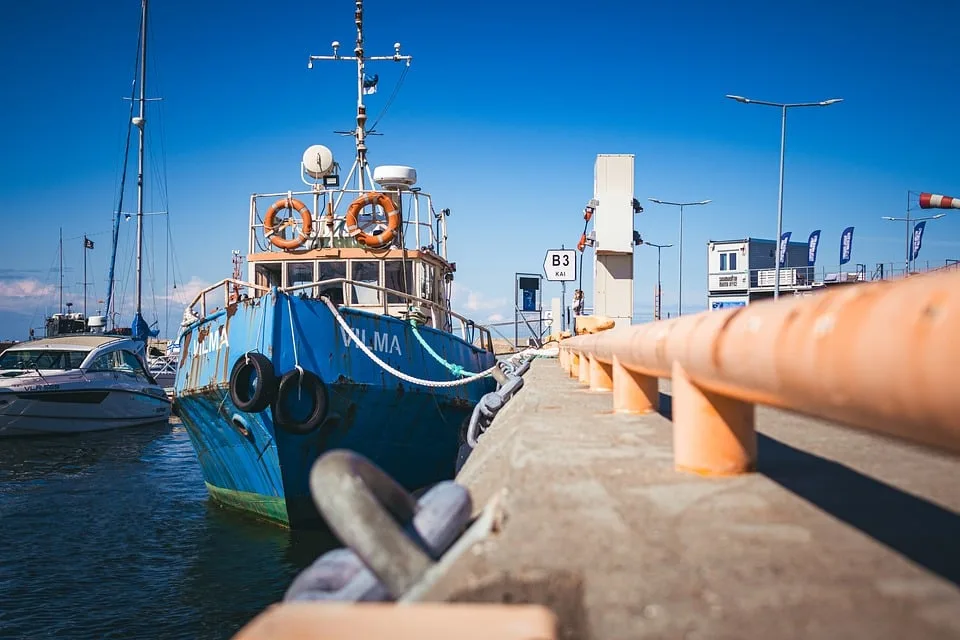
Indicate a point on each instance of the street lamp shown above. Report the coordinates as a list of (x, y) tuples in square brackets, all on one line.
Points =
[(783, 138), (656, 310), (908, 220), (680, 245)]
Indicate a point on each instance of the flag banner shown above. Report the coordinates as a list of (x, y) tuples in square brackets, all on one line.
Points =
[(87, 243), (370, 84), (846, 245), (812, 243), (918, 238), (784, 241)]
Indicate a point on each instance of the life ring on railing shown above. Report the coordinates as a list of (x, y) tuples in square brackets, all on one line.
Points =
[(302, 402), (582, 243), (382, 239), (270, 227), (253, 384)]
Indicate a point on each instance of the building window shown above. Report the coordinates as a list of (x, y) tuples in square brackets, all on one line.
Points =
[(728, 261)]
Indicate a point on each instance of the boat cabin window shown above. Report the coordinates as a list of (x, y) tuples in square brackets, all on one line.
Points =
[(120, 361), (300, 273), (366, 271), (42, 359), (427, 288), (398, 278), (268, 275), (331, 270)]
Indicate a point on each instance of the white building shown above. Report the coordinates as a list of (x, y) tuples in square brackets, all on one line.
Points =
[(742, 271)]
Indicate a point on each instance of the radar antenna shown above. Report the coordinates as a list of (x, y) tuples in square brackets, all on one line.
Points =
[(360, 166)]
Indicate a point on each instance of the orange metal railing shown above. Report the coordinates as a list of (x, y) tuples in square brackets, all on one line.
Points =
[(882, 356)]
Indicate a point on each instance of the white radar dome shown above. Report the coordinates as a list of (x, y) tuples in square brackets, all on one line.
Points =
[(95, 322), (318, 161), (395, 177)]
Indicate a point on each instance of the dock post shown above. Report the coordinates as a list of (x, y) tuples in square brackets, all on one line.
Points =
[(712, 434), (601, 375), (634, 392), (584, 370)]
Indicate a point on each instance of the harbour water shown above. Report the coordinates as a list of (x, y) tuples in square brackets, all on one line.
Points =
[(112, 535)]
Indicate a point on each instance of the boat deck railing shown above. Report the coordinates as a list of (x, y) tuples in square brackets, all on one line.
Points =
[(879, 356), (440, 316), (421, 224)]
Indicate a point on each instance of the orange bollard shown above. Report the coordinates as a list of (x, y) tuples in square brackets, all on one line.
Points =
[(712, 434), (634, 392), (601, 375), (583, 373), (573, 365)]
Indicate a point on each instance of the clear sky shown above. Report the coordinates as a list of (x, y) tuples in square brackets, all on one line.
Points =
[(502, 113)]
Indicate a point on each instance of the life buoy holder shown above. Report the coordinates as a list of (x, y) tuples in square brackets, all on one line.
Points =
[(302, 402), (270, 226), (253, 384), (374, 241)]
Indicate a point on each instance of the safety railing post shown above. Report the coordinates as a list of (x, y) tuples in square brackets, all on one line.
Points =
[(712, 434), (601, 375), (583, 372), (634, 392)]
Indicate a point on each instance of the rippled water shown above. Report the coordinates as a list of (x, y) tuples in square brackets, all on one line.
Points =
[(112, 535)]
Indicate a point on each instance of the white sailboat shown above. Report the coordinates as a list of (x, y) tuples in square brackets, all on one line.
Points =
[(91, 381)]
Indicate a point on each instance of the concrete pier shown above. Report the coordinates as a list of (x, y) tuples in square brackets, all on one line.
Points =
[(838, 534)]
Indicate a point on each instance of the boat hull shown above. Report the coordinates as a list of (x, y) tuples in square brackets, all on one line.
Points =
[(79, 411), (413, 432)]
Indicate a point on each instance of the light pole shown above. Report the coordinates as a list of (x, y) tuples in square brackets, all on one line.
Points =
[(656, 311), (783, 139), (908, 220), (680, 245)]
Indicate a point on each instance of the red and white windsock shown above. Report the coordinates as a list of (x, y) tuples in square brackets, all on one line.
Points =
[(934, 201)]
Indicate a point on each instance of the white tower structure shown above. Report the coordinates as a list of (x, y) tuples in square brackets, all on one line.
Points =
[(613, 247)]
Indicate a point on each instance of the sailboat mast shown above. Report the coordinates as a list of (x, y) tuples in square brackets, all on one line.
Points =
[(140, 122), (61, 269)]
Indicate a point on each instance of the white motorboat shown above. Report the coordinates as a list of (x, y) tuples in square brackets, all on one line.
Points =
[(77, 383)]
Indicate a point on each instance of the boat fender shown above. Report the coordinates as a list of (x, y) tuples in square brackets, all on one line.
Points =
[(270, 226), (302, 402), (253, 384), (389, 208), (397, 537)]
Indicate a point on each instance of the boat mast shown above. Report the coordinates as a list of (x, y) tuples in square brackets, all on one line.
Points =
[(61, 269), (139, 325), (360, 133)]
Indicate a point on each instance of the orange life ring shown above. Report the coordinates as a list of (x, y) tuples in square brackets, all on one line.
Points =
[(393, 219), (582, 243), (270, 226)]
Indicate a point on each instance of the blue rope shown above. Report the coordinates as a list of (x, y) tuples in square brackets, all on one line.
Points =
[(455, 369)]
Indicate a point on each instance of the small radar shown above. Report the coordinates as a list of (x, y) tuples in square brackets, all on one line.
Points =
[(318, 161)]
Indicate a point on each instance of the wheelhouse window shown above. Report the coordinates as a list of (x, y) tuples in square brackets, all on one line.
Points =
[(42, 359), (368, 272), (398, 276), (427, 282), (299, 273), (268, 275), (331, 270)]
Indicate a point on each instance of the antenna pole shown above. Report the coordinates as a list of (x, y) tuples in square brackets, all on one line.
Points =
[(84, 276), (359, 56)]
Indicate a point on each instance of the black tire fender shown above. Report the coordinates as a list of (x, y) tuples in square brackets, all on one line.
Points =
[(253, 384), (299, 386)]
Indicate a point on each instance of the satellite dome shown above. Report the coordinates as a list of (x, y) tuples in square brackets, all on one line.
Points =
[(318, 161)]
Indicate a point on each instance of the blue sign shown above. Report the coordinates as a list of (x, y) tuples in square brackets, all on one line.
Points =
[(846, 245), (726, 304), (529, 299), (812, 245), (918, 238), (784, 241)]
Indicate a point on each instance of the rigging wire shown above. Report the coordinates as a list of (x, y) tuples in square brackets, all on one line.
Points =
[(386, 106)]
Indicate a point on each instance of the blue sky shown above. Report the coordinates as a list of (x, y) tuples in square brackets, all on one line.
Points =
[(502, 113)]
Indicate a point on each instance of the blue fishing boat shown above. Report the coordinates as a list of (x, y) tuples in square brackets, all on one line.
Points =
[(342, 336)]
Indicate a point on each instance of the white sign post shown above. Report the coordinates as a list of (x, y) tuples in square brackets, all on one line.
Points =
[(561, 265)]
